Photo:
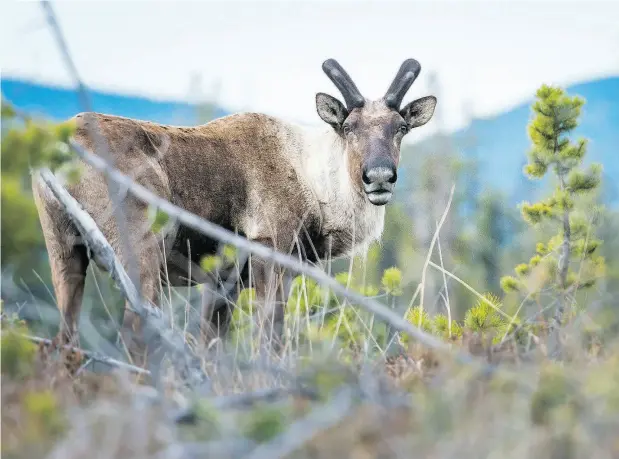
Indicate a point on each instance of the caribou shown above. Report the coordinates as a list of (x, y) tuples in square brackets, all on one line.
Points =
[(316, 192)]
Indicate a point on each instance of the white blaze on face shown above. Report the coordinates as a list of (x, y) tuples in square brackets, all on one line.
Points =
[(323, 164)]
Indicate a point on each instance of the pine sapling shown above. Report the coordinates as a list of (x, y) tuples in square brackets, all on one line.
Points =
[(567, 262)]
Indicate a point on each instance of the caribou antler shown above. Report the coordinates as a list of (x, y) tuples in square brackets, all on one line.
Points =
[(344, 83), (409, 70)]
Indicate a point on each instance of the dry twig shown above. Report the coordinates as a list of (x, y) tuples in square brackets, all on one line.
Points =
[(91, 356)]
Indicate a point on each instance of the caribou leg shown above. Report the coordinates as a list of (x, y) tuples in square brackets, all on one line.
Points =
[(266, 279), (68, 260), (132, 332)]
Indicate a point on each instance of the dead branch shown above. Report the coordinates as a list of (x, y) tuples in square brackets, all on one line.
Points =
[(228, 237), (92, 356), (103, 254)]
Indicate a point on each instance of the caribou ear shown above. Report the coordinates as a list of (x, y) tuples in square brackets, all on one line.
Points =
[(419, 112), (330, 110)]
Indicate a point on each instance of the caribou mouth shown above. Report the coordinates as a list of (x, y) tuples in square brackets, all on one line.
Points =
[(380, 198), (378, 194)]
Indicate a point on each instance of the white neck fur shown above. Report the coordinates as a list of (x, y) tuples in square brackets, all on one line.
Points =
[(323, 163)]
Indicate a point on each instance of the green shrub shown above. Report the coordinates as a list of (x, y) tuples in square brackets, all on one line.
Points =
[(18, 353)]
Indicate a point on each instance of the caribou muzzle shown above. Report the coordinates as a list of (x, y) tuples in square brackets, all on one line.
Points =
[(378, 183)]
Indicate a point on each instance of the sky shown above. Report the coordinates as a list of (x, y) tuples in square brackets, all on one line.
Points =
[(487, 56)]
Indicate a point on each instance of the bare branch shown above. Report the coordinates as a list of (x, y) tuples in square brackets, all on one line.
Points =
[(92, 356)]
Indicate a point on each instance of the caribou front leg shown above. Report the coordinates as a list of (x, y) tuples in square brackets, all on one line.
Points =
[(267, 280), (132, 329)]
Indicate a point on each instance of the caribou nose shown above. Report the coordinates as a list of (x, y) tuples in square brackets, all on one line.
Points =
[(379, 175)]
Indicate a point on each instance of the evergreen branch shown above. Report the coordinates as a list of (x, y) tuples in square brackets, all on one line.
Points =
[(548, 137)]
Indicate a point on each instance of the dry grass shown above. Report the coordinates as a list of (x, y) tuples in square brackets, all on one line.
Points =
[(332, 405)]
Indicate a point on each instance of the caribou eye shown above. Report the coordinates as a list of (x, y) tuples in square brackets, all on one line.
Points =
[(404, 128), (346, 128)]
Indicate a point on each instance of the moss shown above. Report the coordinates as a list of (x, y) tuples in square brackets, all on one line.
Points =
[(206, 426), (324, 374)]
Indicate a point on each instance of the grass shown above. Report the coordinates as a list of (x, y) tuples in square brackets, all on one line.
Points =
[(332, 393)]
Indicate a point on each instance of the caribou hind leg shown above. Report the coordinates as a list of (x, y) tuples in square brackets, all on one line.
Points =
[(68, 260), (68, 266)]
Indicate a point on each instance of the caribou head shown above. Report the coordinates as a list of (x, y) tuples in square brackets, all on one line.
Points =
[(372, 130)]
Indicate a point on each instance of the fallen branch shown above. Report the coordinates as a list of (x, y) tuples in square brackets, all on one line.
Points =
[(91, 356), (228, 237), (103, 254)]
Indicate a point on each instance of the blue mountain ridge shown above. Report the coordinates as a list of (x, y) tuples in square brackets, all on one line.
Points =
[(501, 140), (62, 103)]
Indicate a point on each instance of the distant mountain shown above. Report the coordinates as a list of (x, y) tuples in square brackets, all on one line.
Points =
[(61, 103), (500, 143)]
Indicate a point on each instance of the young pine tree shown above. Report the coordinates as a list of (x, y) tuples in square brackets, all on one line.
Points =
[(568, 261)]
